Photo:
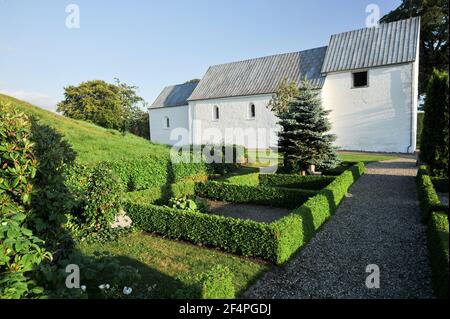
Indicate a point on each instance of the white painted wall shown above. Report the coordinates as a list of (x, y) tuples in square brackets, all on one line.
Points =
[(375, 118), (234, 114), (179, 118)]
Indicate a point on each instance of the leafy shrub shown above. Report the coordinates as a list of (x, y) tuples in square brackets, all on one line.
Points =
[(184, 203), (259, 195), (217, 283), (295, 181), (22, 252), (105, 196), (243, 237), (439, 256), (428, 199), (296, 229)]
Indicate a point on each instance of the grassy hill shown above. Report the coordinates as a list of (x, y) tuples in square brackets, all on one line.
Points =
[(148, 164)]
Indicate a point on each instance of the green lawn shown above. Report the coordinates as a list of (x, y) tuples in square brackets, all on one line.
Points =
[(173, 265), (91, 142), (364, 157)]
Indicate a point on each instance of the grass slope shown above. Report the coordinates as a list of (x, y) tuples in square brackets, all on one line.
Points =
[(91, 142)]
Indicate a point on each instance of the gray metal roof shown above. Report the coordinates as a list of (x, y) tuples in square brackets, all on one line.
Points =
[(261, 75), (389, 43), (175, 95)]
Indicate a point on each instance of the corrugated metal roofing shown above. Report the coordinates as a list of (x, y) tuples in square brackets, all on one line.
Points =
[(175, 95), (261, 75), (389, 43)]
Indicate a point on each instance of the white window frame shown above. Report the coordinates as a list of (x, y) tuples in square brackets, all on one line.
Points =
[(214, 118), (249, 112), (353, 79), (166, 120)]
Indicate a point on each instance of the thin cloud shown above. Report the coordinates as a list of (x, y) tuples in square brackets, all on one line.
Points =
[(39, 99)]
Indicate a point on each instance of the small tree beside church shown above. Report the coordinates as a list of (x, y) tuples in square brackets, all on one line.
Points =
[(303, 140)]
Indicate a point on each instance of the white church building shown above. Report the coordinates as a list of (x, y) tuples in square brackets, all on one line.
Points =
[(368, 78)]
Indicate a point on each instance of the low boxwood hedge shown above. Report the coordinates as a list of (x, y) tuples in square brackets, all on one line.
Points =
[(258, 195), (296, 229), (428, 198), (438, 236), (295, 181), (244, 237)]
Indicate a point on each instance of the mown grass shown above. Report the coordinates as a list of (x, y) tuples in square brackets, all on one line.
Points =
[(174, 265), (91, 142), (364, 157)]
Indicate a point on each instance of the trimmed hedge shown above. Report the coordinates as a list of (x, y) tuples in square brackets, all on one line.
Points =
[(428, 199), (244, 237), (259, 195), (160, 195), (217, 283), (438, 237), (295, 181), (296, 229), (277, 241)]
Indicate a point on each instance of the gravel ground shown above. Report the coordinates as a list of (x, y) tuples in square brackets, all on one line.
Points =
[(444, 198), (264, 214), (378, 223)]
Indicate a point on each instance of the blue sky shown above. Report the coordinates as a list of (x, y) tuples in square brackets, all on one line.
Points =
[(152, 44)]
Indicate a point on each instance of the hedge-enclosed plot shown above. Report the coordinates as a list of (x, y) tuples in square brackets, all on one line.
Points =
[(258, 195), (276, 242), (295, 181)]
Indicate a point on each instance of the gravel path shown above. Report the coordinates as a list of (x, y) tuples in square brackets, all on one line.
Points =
[(378, 223)]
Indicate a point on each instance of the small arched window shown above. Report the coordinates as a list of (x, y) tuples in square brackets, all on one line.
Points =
[(166, 122), (252, 111), (216, 114)]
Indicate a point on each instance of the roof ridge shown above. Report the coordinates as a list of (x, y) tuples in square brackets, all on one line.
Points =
[(374, 27)]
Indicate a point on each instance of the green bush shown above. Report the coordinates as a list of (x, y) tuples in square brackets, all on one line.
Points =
[(104, 198), (438, 235), (295, 181), (296, 229), (434, 142), (441, 184), (244, 237), (217, 283), (258, 195), (428, 199), (21, 251)]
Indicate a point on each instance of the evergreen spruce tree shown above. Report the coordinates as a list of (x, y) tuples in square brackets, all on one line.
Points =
[(304, 140)]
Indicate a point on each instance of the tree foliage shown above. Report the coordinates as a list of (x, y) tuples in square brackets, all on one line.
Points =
[(434, 141), (303, 139), (286, 91), (433, 35), (113, 106)]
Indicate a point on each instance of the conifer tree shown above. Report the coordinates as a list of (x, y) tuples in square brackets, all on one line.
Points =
[(304, 140)]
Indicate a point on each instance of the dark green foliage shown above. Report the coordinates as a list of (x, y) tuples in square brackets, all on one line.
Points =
[(104, 197), (295, 181), (303, 139), (434, 142), (433, 33), (439, 257), (21, 251), (113, 106), (258, 195), (51, 199), (428, 199), (441, 184), (243, 237), (296, 229), (217, 283)]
